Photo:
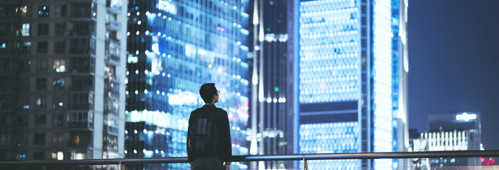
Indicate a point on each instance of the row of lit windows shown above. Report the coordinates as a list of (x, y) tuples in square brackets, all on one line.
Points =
[(326, 5), (39, 120), (339, 137), (77, 10)]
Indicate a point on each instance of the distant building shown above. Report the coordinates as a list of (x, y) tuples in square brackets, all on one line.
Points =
[(450, 132), (62, 66), (416, 144), (173, 48)]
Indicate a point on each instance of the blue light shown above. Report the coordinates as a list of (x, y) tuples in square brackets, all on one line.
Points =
[(330, 138), (329, 49)]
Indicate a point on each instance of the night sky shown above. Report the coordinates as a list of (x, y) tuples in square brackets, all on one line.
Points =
[(454, 62)]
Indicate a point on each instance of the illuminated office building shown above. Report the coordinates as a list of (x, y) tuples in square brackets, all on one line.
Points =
[(62, 93), (449, 132), (270, 116), (174, 46), (352, 69), (457, 131)]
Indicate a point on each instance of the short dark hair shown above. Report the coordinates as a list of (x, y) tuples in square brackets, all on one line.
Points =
[(207, 91)]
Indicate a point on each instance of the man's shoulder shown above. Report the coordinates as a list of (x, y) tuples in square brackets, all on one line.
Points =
[(220, 110), (196, 110)]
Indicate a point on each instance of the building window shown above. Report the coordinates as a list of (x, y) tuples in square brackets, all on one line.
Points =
[(60, 29), (21, 139), (42, 47), (60, 47), (39, 139), (58, 83), (25, 102), (41, 102), (41, 84), (81, 64), (57, 101), (57, 120), (43, 29), (41, 65), (22, 121), (81, 83), (3, 122), (60, 11), (80, 139), (82, 28), (26, 47), (80, 10), (40, 120), (38, 155), (43, 11), (79, 46), (59, 66), (24, 83), (3, 139), (25, 30), (21, 156), (78, 155), (78, 117)]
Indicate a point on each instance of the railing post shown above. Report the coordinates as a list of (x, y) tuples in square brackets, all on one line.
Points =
[(121, 166), (305, 165)]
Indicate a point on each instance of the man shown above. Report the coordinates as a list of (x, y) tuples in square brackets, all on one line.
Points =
[(209, 147)]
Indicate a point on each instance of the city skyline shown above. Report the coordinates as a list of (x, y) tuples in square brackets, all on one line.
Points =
[(172, 51)]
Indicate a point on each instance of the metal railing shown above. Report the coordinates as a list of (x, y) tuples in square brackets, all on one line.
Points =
[(246, 158)]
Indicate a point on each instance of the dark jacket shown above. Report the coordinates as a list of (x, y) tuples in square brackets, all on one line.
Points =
[(224, 150)]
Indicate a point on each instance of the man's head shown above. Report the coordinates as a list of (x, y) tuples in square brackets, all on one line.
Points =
[(209, 93)]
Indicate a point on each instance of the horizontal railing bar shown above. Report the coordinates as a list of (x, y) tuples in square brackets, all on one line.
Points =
[(244, 158)]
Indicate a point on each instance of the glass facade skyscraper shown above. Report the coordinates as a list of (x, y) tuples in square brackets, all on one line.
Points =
[(62, 93), (350, 82), (174, 46)]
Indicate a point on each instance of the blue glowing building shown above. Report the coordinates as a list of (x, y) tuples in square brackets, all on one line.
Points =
[(174, 46), (352, 69)]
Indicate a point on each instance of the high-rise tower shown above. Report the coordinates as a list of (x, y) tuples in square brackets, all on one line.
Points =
[(352, 57), (62, 93)]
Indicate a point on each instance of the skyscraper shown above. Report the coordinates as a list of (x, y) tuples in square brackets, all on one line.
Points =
[(352, 57), (269, 111), (173, 48), (63, 71)]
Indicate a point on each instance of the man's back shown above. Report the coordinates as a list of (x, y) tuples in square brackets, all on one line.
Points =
[(223, 150), (209, 158)]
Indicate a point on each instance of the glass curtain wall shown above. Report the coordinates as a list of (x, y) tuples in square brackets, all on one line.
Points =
[(174, 47)]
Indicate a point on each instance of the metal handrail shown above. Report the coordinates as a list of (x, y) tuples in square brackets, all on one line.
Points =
[(245, 158)]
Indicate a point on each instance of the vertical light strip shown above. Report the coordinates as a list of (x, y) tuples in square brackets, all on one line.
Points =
[(382, 86)]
